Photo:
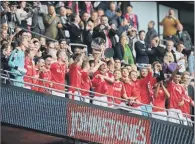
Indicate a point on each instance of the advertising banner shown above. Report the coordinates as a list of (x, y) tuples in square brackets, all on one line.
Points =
[(101, 126)]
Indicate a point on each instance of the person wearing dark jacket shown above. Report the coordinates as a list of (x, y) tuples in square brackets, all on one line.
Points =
[(107, 32), (151, 32), (156, 53), (75, 29), (87, 35), (141, 48)]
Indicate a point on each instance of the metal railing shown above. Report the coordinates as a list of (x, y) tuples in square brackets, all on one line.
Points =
[(128, 108)]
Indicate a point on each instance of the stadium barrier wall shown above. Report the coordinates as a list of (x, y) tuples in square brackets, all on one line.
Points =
[(64, 117)]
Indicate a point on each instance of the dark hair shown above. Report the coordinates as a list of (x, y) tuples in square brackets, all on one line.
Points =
[(75, 56), (47, 56), (153, 23), (72, 17), (141, 31), (58, 53), (38, 59), (84, 64), (178, 73), (180, 42), (104, 16)]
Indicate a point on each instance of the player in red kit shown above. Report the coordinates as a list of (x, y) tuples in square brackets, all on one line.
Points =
[(45, 74), (99, 82), (75, 76), (118, 87), (128, 87), (160, 95), (185, 106), (86, 81), (58, 71), (30, 67), (177, 92)]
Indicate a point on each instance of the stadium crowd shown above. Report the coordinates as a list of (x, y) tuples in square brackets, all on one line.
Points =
[(143, 70)]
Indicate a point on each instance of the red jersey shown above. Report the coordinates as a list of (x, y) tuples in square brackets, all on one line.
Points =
[(45, 76), (85, 83), (75, 77), (110, 87), (100, 86), (187, 105), (118, 91), (36, 81), (58, 72), (31, 71), (176, 93), (136, 91), (159, 101), (146, 85)]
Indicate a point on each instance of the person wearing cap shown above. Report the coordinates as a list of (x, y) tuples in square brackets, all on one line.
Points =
[(131, 17)]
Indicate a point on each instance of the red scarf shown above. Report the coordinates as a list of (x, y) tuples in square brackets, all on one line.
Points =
[(127, 16)]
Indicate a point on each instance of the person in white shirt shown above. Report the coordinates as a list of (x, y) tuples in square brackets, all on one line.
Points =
[(23, 17), (181, 58)]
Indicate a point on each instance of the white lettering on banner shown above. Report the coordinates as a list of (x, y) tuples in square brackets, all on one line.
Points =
[(96, 125)]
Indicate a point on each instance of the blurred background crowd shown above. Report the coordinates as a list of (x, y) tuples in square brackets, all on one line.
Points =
[(100, 47)]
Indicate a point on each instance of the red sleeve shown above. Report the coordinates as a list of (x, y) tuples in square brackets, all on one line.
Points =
[(147, 78), (123, 91), (95, 82)]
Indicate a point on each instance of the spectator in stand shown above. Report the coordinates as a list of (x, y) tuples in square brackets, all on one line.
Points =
[(191, 64), (24, 18), (11, 17), (86, 7), (170, 24), (75, 29), (64, 46), (160, 96), (75, 77), (30, 67), (169, 66), (45, 76), (101, 5), (151, 32), (183, 36), (105, 31), (100, 13), (4, 35), (58, 72), (88, 36), (132, 38), (170, 49), (52, 23), (37, 18), (131, 17), (156, 53), (85, 18), (64, 20), (4, 8), (181, 58), (68, 13), (16, 62), (177, 93), (95, 19), (141, 47), (112, 14), (5, 53), (123, 52), (123, 28)]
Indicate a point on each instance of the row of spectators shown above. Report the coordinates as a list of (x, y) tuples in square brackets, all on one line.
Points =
[(142, 70)]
